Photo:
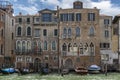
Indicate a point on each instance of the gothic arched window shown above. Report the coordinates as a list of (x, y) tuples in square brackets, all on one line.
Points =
[(64, 32), (69, 47), (18, 46), (91, 31), (19, 31), (77, 32), (23, 46), (69, 32), (45, 45), (53, 45), (28, 31), (64, 47), (91, 49)]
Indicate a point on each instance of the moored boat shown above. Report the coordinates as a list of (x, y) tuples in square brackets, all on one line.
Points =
[(94, 69), (81, 70), (7, 70)]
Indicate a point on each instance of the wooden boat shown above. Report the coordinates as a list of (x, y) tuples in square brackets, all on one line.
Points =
[(65, 71), (7, 70), (94, 69), (81, 70)]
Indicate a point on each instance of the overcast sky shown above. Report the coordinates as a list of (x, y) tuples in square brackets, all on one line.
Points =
[(107, 7)]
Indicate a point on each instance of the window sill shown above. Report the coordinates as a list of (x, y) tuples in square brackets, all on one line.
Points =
[(36, 37), (18, 35)]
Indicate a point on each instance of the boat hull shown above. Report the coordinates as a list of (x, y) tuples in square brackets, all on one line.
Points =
[(7, 70)]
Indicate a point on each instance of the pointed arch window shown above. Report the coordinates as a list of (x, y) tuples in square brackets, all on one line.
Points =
[(91, 31), (53, 45), (69, 32), (18, 46), (45, 45), (91, 52), (86, 47), (19, 31), (39, 47), (77, 32), (64, 47), (81, 48), (28, 31), (91, 49), (23, 46), (75, 48), (69, 47), (28, 46), (34, 46), (64, 32)]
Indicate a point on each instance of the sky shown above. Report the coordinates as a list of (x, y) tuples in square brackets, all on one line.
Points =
[(107, 7)]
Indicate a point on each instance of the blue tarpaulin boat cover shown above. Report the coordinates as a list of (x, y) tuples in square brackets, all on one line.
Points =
[(94, 67), (8, 70)]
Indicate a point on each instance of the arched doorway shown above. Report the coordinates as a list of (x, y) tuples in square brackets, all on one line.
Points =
[(37, 64), (68, 64)]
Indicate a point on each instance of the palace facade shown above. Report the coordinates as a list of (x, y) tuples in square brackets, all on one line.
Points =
[(62, 38)]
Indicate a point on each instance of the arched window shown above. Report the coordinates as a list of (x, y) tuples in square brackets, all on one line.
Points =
[(28, 46), (77, 32), (64, 32), (64, 47), (86, 47), (45, 45), (39, 46), (91, 52), (81, 48), (75, 48), (19, 31), (91, 49), (69, 32), (34, 46), (91, 31), (28, 31), (69, 47), (18, 46), (23, 46), (53, 45)]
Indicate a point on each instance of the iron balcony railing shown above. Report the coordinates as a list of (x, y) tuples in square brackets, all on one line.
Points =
[(28, 52)]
